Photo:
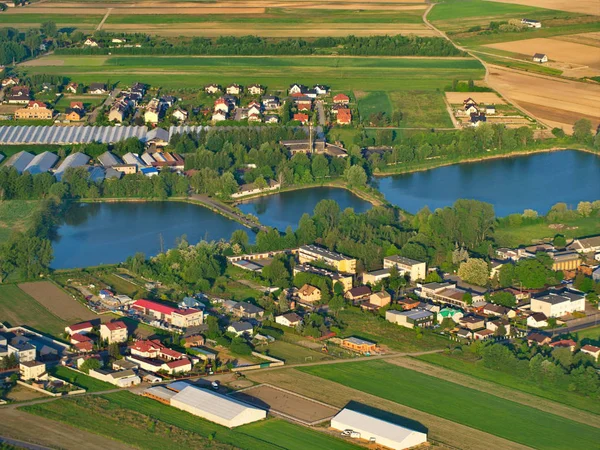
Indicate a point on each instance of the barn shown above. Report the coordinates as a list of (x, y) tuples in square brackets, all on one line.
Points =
[(377, 430), (216, 407)]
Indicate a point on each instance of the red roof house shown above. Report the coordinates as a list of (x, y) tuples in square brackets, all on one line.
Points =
[(344, 116), (302, 118), (341, 98)]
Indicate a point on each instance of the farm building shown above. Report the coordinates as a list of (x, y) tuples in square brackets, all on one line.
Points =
[(41, 163), (108, 159), (382, 432), (216, 407), (20, 161), (73, 160), (540, 57)]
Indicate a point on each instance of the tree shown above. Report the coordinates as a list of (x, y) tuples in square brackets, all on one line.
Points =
[(355, 176), (283, 302), (559, 241), (467, 298), (584, 208), (49, 29), (504, 298), (474, 271), (320, 166), (89, 364), (582, 130), (114, 352), (433, 277), (336, 304)]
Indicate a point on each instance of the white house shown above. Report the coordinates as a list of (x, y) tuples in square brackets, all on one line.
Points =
[(416, 269), (240, 328), (531, 23), (540, 58), (537, 320), (219, 116), (288, 320), (558, 304), (89, 42)]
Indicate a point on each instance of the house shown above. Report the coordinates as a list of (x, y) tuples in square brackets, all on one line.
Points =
[(212, 88), (120, 378), (97, 89), (344, 116), (81, 328), (342, 99), (471, 108), (495, 324), (297, 89), (375, 277), (410, 319), (531, 23), (182, 365), (380, 299), (341, 263), (557, 304), (254, 108), (289, 320), (540, 58), (10, 81), (114, 331), (255, 118), (153, 348), (271, 102), (537, 320), (219, 116), (240, 328), (181, 318), (234, 89), (31, 370), (592, 350), (256, 89), (247, 310), (72, 87), (472, 322), (271, 119), (476, 119), (89, 42), (78, 338), (417, 270), (538, 338), (464, 334), (302, 118), (358, 345), (118, 112), (482, 335), (19, 95), (84, 347), (564, 343), (180, 114), (309, 294), (35, 110), (344, 280), (491, 309), (74, 114), (222, 105), (358, 293), (153, 111), (321, 89), (408, 303), (585, 245), (23, 351)]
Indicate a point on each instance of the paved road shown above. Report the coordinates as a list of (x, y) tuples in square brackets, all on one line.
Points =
[(109, 101), (321, 113)]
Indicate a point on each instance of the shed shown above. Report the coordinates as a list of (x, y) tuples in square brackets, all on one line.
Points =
[(381, 431), (540, 57), (216, 407)]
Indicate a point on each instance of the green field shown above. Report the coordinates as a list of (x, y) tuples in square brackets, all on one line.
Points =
[(18, 308), (421, 109), (277, 73), (476, 409), (477, 370), (458, 10), (292, 353), (79, 379), (373, 103), (112, 412), (592, 334), (16, 215), (89, 102)]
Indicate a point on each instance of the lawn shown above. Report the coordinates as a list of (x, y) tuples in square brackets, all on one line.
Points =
[(422, 109), (89, 102), (277, 73), (377, 329), (592, 334), (476, 409), (79, 379), (374, 103), (18, 308), (292, 353), (120, 285), (111, 412), (476, 369), (16, 215)]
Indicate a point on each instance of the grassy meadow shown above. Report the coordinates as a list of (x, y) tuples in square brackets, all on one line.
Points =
[(476, 409), (16, 215), (421, 109)]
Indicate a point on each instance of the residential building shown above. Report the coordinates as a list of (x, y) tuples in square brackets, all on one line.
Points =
[(234, 89), (537, 320), (81, 328), (212, 89), (414, 318), (18, 95), (341, 263), (97, 89), (309, 294), (180, 114), (10, 81), (240, 328), (585, 245), (256, 89), (271, 118), (538, 338), (188, 317), (540, 58), (472, 322), (446, 293), (34, 111), (218, 116), (417, 270), (31, 370), (341, 99), (153, 111), (375, 277), (302, 118), (564, 343), (558, 304), (321, 89), (181, 318), (344, 116), (358, 293), (378, 431), (120, 378), (463, 333), (23, 351), (380, 299), (247, 310), (495, 324), (407, 303), (358, 345), (289, 320), (591, 350), (498, 310), (74, 115), (118, 112), (112, 332), (297, 89), (482, 335), (89, 42), (344, 280)]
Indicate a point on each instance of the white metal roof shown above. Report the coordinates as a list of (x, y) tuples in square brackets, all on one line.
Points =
[(20, 161), (212, 403), (41, 163), (358, 421)]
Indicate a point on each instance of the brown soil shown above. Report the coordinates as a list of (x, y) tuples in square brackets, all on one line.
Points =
[(276, 400), (57, 301), (451, 433)]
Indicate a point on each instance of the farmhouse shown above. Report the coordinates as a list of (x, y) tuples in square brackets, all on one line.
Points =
[(114, 331), (341, 263), (309, 294), (358, 345), (376, 430), (417, 270), (540, 58), (410, 319), (217, 408), (557, 304), (531, 23)]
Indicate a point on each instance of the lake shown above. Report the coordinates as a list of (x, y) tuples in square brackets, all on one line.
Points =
[(107, 233), (287, 208), (510, 184)]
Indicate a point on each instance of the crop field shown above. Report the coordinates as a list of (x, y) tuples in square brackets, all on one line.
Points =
[(277, 73), (421, 109), (108, 415), (18, 308), (58, 301), (476, 409), (582, 6)]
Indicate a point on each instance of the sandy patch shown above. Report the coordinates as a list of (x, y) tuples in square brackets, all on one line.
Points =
[(554, 100), (581, 6), (557, 50), (456, 98), (57, 301)]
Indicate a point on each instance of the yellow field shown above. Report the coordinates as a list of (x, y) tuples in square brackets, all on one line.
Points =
[(592, 38), (581, 6)]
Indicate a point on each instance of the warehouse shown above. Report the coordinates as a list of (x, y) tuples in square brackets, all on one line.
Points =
[(41, 163), (376, 430), (216, 407), (108, 159), (19, 161), (73, 160), (132, 158)]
